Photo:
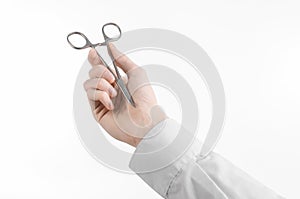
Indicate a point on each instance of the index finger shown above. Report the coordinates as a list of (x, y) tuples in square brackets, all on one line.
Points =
[(94, 58)]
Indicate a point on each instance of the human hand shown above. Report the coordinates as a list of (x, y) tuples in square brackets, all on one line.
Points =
[(121, 120)]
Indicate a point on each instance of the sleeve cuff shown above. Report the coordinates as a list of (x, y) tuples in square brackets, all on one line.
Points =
[(163, 154)]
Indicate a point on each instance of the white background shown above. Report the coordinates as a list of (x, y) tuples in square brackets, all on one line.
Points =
[(254, 44)]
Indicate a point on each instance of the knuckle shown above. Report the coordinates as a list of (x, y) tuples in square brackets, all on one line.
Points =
[(103, 72), (124, 60), (89, 94), (120, 58), (100, 83), (91, 72), (101, 95), (85, 85)]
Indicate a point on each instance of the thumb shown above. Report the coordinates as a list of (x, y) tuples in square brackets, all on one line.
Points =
[(121, 60)]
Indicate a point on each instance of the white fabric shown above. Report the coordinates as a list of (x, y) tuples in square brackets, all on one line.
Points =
[(190, 176)]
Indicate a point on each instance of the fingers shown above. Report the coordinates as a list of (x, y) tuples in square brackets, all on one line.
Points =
[(94, 58), (102, 96), (101, 71), (99, 87), (122, 60), (100, 84)]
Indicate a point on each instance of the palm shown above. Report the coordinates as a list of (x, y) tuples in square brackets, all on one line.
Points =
[(115, 122)]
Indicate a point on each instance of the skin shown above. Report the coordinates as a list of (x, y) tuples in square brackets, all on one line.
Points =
[(121, 120)]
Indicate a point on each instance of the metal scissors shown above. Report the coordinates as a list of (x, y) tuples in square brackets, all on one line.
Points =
[(107, 40)]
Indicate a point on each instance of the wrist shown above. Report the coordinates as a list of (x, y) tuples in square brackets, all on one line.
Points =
[(134, 141)]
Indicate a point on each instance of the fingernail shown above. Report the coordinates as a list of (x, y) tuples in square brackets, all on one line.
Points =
[(110, 106), (113, 92), (111, 45), (111, 78)]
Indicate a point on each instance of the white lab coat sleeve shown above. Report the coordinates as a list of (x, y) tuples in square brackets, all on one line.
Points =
[(190, 176)]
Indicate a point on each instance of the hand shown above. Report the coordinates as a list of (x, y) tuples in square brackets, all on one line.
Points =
[(121, 120)]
